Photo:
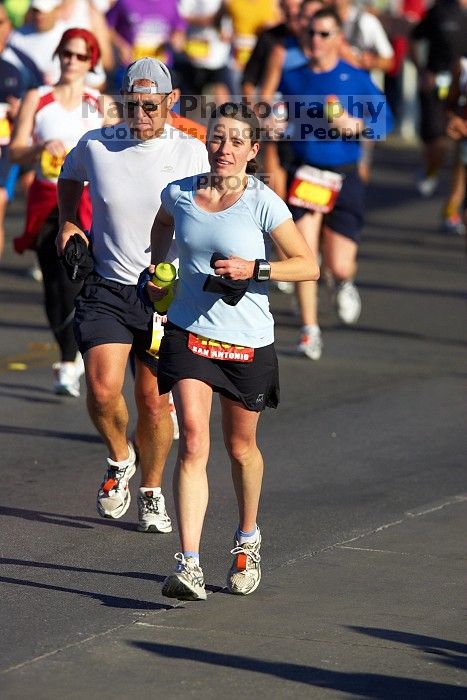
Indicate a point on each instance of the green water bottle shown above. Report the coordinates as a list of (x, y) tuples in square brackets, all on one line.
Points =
[(164, 276)]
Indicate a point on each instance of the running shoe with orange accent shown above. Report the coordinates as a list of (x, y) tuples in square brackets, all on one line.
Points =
[(245, 573), (113, 497)]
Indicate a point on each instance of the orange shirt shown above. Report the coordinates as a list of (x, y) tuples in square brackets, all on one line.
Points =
[(188, 126)]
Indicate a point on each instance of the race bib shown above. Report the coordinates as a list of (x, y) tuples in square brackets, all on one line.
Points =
[(151, 51), (51, 165), (157, 334), (315, 189), (216, 350), (197, 48), (5, 131)]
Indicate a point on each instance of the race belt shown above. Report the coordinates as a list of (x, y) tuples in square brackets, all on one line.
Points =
[(314, 189), (217, 350)]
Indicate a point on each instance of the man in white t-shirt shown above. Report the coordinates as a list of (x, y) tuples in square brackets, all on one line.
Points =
[(127, 166)]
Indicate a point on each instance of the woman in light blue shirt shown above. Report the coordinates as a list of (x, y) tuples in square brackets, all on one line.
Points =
[(220, 332)]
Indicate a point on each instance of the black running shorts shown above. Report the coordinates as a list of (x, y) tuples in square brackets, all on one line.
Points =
[(346, 217), (111, 312), (255, 384)]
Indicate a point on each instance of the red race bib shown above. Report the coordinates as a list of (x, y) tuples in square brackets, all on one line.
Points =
[(217, 350)]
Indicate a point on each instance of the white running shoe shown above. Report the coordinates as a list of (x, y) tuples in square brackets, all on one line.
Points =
[(348, 302), (187, 583), (311, 344), (245, 573), (66, 379), (427, 185), (113, 497), (152, 513), (173, 415), (35, 272)]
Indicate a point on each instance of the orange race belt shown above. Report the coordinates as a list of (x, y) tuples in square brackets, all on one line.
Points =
[(314, 189), (217, 350)]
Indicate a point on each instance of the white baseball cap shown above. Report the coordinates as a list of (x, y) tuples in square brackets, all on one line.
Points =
[(147, 69)]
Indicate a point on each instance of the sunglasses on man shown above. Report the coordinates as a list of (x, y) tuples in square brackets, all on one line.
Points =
[(147, 107)]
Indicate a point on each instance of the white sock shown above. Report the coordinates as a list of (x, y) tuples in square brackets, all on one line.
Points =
[(124, 462), (243, 537), (156, 490), (310, 330)]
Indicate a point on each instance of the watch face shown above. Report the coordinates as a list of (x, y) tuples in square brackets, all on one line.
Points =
[(264, 272)]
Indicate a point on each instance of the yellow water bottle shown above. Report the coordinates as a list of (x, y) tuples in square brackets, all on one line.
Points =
[(164, 276)]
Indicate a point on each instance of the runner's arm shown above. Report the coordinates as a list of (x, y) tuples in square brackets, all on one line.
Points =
[(20, 149), (299, 262), (69, 195), (161, 236)]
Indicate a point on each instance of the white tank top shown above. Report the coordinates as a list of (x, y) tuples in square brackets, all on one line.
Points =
[(53, 121)]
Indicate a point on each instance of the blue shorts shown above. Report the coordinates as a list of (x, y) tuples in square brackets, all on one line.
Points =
[(111, 312), (347, 216)]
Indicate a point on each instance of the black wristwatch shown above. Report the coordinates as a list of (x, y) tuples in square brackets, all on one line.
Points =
[(262, 270)]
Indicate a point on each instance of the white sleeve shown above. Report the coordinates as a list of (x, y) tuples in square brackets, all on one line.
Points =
[(74, 167), (375, 37)]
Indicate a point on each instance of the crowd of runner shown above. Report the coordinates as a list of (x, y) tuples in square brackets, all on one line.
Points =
[(176, 104)]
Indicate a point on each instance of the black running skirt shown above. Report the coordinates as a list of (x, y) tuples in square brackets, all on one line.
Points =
[(255, 384)]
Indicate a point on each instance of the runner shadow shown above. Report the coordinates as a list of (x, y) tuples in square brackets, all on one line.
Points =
[(41, 432), (30, 399), (365, 685), (109, 601), (140, 575), (450, 653), (76, 521)]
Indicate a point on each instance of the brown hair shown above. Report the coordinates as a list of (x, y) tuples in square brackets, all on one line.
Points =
[(242, 113)]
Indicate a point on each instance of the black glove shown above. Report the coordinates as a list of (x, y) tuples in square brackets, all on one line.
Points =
[(141, 290), (77, 259), (231, 291)]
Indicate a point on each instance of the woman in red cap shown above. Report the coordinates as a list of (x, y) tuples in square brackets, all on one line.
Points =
[(51, 121)]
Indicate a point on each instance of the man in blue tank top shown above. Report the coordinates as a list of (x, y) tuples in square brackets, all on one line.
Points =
[(332, 106)]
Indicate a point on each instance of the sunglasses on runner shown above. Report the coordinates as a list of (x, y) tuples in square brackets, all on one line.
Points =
[(323, 35), (82, 57), (147, 107)]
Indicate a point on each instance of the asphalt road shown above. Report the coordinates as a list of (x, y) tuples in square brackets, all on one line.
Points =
[(363, 512)]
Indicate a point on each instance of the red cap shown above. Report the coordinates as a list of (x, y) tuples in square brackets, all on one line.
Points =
[(89, 38)]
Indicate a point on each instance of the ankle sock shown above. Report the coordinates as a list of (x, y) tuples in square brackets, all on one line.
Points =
[(309, 330), (155, 490), (193, 555), (124, 462), (243, 537)]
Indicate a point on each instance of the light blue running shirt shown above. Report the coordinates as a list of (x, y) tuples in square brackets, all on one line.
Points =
[(241, 230)]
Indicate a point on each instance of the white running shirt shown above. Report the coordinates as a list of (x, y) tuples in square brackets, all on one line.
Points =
[(126, 178)]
